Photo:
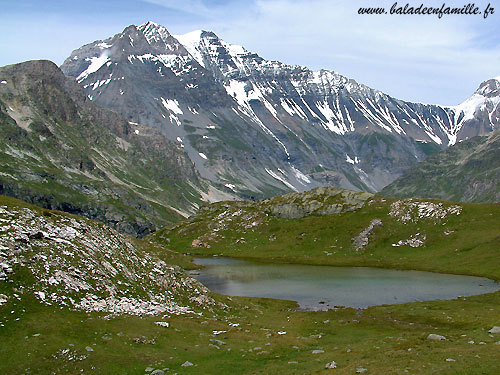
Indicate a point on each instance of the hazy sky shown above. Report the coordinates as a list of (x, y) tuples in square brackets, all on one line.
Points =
[(412, 57)]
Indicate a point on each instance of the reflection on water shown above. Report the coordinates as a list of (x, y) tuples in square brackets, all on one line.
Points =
[(323, 287)]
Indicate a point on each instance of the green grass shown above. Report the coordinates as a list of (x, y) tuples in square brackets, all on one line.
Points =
[(388, 339)]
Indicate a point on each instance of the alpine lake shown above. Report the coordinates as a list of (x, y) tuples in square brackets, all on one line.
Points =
[(317, 288)]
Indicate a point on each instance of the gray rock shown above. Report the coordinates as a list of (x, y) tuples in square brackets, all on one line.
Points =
[(318, 351), (158, 372), (187, 364), (494, 330), (149, 369), (361, 370), (331, 365), (217, 342), (89, 349), (433, 336), (362, 239), (295, 205)]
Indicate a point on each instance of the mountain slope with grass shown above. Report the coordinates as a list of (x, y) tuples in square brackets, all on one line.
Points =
[(59, 150), (467, 172)]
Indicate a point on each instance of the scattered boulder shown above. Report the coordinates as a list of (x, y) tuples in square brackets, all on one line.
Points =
[(187, 364), (331, 365), (217, 342), (199, 243), (158, 372), (162, 324), (417, 240), (144, 340), (494, 330), (361, 370), (89, 349), (318, 351), (433, 336), (3, 297)]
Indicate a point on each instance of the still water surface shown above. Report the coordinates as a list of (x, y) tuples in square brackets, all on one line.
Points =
[(323, 287)]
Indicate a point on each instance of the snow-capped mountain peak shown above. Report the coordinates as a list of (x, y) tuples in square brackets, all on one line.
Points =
[(191, 41), (154, 32), (485, 102)]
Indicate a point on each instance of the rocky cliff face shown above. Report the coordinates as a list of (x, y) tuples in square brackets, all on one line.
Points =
[(262, 127), (59, 150)]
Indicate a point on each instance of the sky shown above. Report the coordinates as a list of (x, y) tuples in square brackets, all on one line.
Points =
[(419, 58)]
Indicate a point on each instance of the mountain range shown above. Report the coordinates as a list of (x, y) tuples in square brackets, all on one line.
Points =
[(259, 128)]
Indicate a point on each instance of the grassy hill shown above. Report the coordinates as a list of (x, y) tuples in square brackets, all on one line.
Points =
[(339, 227)]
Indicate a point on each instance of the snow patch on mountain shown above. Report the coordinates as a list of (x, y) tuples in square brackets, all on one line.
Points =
[(172, 105), (300, 176), (155, 33), (281, 179), (349, 160), (334, 120), (467, 110), (104, 45), (95, 64), (191, 42)]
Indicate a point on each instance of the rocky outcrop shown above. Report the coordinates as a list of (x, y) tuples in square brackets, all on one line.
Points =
[(416, 240), (413, 210), (87, 266), (319, 201), (362, 239)]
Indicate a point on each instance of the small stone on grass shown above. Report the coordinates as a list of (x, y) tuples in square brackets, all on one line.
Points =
[(331, 365), (433, 336)]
